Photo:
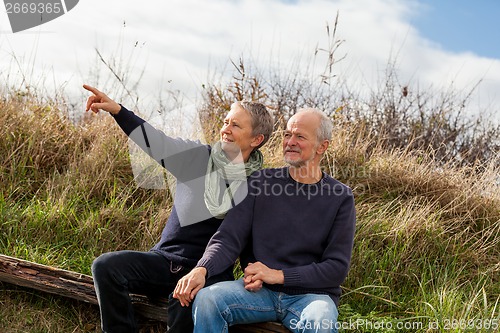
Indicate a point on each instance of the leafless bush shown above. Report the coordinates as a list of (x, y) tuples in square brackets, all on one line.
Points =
[(436, 122)]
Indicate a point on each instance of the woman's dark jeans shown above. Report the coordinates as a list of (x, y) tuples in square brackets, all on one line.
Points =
[(116, 274)]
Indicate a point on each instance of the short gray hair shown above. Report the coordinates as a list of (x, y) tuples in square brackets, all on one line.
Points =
[(262, 121), (325, 128)]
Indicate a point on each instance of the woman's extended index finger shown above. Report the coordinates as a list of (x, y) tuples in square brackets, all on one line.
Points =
[(91, 89)]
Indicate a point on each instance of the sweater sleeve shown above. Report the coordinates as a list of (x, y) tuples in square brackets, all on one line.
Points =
[(127, 120), (181, 157), (230, 239), (334, 265)]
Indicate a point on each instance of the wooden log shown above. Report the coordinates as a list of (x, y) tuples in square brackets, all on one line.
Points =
[(269, 327), (47, 279), (81, 287)]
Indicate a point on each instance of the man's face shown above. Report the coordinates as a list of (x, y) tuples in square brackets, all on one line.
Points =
[(300, 143), (236, 133)]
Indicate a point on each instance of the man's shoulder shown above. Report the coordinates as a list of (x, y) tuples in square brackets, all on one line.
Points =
[(328, 179), (335, 186)]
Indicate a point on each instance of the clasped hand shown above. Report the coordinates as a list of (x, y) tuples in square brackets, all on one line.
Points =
[(255, 275)]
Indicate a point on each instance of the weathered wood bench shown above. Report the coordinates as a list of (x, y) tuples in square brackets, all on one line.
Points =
[(81, 287)]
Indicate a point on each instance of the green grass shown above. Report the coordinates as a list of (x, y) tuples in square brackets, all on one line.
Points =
[(426, 248)]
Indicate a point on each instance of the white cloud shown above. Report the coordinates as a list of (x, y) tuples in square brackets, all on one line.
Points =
[(182, 40)]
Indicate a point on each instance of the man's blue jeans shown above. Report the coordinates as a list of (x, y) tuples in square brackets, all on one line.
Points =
[(228, 303)]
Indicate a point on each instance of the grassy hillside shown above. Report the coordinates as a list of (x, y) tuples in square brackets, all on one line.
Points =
[(427, 245)]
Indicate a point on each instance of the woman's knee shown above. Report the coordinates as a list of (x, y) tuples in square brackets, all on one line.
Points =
[(100, 265), (107, 264)]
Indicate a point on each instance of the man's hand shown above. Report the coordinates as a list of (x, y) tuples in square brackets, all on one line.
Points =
[(189, 285), (99, 101), (257, 273)]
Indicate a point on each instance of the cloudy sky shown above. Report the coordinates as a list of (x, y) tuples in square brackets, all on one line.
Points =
[(179, 44)]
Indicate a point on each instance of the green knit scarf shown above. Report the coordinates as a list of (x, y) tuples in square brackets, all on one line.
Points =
[(219, 167)]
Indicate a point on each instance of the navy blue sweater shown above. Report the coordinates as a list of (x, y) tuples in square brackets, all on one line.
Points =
[(306, 230), (190, 224)]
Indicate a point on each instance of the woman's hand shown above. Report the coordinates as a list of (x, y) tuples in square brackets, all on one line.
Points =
[(99, 101)]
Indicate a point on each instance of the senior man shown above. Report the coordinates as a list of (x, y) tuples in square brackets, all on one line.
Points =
[(294, 234)]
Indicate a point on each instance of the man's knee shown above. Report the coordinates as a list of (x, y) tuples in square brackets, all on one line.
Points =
[(320, 315), (320, 310)]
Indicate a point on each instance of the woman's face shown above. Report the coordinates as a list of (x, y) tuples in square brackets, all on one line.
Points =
[(236, 134)]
